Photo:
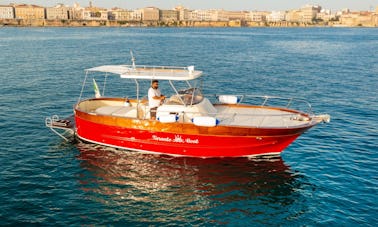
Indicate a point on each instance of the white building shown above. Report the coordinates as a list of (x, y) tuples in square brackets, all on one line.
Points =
[(256, 16), (203, 15), (276, 16), (6, 12), (76, 12), (325, 15), (90, 14), (136, 15)]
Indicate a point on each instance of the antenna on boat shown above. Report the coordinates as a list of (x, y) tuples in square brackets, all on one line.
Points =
[(132, 59)]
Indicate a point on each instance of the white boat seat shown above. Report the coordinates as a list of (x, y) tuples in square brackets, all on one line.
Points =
[(120, 111)]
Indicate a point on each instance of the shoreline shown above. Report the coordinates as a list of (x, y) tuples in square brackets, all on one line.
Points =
[(111, 23)]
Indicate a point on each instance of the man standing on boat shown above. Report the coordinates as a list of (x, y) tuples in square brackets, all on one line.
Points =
[(155, 98)]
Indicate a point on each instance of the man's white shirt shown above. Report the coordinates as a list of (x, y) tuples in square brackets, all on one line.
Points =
[(152, 93)]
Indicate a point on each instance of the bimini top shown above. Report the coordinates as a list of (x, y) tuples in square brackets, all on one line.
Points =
[(149, 72)]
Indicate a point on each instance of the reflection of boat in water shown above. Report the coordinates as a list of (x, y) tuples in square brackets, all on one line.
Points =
[(188, 123), (176, 182)]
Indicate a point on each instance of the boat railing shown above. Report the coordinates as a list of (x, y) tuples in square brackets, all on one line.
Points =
[(274, 101)]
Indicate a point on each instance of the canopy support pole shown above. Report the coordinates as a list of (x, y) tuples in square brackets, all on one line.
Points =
[(82, 87)]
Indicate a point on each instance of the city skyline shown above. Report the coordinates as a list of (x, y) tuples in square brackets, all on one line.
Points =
[(267, 5)]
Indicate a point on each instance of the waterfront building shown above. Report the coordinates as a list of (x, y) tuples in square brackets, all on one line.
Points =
[(76, 12), (204, 15), (221, 15), (95, 13), (256, 16), (150, 14), (168, 15), (293, 15), (217, 15), (136, 15), (276, 16), (231, 15), (120, 14), (183, 13), (309, 13), (104, 14), (87, 15), (375, 18), (60, 11), (6, 12), (325, 15), (357, 19), (24, 11)]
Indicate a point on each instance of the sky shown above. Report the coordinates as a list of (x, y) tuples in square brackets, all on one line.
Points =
[(261, 5)]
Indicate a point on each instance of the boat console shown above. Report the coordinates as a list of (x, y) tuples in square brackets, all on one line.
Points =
[(186, 113)]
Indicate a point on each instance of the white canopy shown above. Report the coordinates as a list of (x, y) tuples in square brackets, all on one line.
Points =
[(149, 72)]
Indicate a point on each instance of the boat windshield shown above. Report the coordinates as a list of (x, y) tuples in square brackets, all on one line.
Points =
[(189, 96)]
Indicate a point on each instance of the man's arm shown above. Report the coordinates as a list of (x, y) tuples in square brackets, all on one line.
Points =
[(162, 97)]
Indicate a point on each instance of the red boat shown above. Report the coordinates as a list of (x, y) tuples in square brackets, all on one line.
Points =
[(188, 123)]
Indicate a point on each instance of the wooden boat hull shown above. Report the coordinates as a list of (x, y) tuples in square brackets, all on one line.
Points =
[(182, 139)]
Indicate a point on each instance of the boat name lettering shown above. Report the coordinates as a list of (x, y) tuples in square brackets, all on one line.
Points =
[(188, 140), (176, 139)]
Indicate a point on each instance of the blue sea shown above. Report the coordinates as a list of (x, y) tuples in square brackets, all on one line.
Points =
[(327, 177)]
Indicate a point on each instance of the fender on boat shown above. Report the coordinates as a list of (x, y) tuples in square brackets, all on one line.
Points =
[(205, 121), (170, 118), (228, 99)]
